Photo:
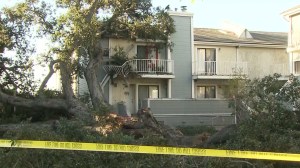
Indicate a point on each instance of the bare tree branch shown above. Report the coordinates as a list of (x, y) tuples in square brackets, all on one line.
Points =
[(92, 11), (46, 79)]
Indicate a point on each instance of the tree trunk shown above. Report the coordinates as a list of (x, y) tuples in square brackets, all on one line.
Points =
[(33, 103), (75, 107), (91, 75)]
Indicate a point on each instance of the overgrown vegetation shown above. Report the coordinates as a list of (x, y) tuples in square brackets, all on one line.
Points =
[(271, 124), (194, 130), (66, 131), (119, 57)]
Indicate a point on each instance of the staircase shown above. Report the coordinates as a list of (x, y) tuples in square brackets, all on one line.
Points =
[(113, 71)]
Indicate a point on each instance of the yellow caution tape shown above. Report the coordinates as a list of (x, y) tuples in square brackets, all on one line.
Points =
[(148, 149)]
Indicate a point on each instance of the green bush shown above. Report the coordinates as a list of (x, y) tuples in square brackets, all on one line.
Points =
[(272, 125), (194, 130)]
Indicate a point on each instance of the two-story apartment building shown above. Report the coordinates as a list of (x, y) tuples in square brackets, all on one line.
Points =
[(221, 54), (187, 86)]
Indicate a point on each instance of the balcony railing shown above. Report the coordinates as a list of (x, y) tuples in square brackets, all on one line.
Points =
[(152, 66), (220, 68)]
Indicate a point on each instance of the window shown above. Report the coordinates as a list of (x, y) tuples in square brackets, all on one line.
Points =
[(297, 67), (206, 61), (147, 91), (206, 92), (105, 52), (153, 92), (147, 52)]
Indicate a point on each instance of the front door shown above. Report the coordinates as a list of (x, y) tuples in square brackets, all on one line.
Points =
[(130, 104)]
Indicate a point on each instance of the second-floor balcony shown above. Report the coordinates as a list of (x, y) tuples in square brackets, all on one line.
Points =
[(147, 68), (217, 69), (152, 66)]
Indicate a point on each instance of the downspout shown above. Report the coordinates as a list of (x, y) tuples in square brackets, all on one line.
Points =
[(236, 55), (192, 52), (293, 68), (236, 59), (169, 58), (110, 92)]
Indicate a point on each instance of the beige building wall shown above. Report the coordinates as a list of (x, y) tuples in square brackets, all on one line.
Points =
[(264, 61), (128, 46), (295, 31), (259, 61), (226, 54), (292, 15), (222, 53), (294, 44)]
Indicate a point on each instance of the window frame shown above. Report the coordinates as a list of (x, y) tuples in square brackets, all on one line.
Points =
[(206, 95), (297, 67)]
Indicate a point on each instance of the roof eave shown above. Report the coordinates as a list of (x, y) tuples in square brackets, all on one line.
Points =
[(290, 12), (213, 43)]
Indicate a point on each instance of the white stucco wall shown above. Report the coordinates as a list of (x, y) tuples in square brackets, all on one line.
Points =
[(260, 61), (295, 31), (264, 61), (294, 43), (130, 47)]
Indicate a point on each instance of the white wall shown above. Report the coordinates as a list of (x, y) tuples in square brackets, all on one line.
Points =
[(260, 61)]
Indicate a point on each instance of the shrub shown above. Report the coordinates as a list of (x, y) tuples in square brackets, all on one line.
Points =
[(194, 130)]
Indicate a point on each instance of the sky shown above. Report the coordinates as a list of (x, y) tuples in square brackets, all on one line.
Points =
[(255, 15)]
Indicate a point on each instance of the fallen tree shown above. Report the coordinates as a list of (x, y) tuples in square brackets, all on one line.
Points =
[(76, 36)]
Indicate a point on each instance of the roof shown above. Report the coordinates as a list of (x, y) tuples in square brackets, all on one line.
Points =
[(209, 35), (292, 11)]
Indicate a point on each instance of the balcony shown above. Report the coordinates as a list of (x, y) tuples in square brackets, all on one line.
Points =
[(146, 68), (157, 68), (219, 70)]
